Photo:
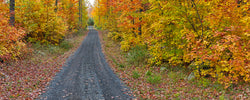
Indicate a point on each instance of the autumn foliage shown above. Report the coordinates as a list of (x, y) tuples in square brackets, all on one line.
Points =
[(11, 44), (38, 21), (209, 36)]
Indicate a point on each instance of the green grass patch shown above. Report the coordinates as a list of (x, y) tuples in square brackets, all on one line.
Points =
[(154, 79), (137, 55), (176, 94), (66, 45), (136, 74), (173, 75), (205, 82), (121, 65), (148, 73)]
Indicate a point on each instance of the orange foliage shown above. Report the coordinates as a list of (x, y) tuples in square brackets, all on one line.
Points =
[(11, 44)]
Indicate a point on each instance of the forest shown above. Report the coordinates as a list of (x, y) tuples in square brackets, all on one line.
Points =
[(160, 49), (211, 37), (37, 21), (36, 37)]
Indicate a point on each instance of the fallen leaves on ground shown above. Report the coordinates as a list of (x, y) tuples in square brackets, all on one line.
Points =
[(27, 79), (169, 88)]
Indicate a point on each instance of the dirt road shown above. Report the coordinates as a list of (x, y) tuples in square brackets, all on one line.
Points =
[(87, 76)]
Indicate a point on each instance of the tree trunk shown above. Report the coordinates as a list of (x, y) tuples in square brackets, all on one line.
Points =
[(80, 13), (140, 18), (12, 12), (56, 5)]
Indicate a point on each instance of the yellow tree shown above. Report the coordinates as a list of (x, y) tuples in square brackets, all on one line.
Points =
[(210, 36)]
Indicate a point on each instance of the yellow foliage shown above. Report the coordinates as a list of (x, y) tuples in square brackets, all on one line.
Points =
[(211, 35), (41, 21)]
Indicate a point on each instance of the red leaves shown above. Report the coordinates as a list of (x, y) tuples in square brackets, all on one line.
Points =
[(10, 40), (27, 78), (220, 34), (130, 17)]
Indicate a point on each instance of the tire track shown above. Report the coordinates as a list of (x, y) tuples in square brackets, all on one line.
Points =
[(87, 76)]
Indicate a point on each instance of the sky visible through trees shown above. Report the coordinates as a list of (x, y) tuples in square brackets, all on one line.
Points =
[(91, 2)]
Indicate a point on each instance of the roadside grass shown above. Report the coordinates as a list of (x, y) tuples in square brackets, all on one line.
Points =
[(68, 43), (27, 78), (136, 74), (137, 56), (154, 79), (163, 82)]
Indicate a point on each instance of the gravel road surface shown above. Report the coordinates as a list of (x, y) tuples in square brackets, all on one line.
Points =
[(87, 76)]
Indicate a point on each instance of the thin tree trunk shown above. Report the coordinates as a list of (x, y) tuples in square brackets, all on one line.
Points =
[(80, 13), (56, 3), (12, 12), (140, 18), (199, 18)]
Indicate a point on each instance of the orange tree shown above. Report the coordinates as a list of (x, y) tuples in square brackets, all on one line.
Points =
[(11, 44)]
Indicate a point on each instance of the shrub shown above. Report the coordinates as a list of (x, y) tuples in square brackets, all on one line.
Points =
[(11, 43), (137, 55), (42, 25)]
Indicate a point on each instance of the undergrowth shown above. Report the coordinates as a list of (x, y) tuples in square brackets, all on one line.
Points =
[(137, 55), (164, 81), (65, 45)]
